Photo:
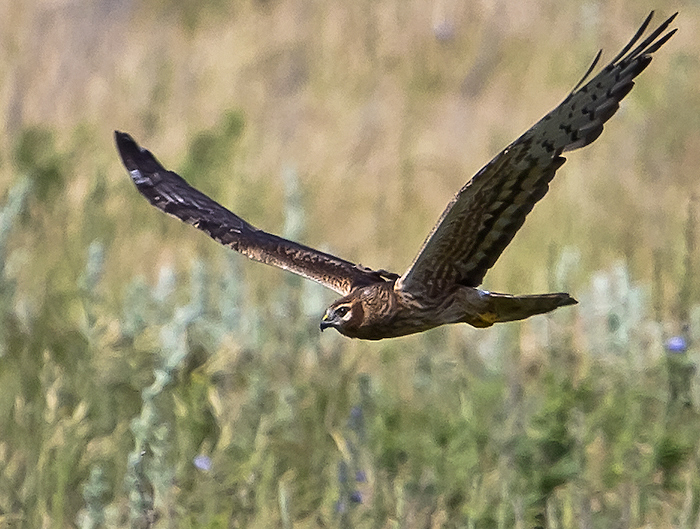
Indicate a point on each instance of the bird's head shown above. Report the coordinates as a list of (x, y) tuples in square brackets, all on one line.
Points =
[(364, 313), (345, 315)]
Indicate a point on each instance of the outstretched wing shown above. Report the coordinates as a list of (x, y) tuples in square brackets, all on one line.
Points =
[(171, 193), (487, 212)]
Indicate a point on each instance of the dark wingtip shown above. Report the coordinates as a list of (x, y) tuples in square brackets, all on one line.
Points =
[(128, 149), (138, 161), (568, 300), (122, 139)]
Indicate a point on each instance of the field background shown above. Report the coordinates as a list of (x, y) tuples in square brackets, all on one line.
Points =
[(149, 377)]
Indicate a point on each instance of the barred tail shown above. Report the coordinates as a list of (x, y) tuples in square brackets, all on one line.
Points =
[(505, 307)]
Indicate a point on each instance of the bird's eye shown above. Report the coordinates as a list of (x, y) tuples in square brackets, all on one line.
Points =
[(342, 311)]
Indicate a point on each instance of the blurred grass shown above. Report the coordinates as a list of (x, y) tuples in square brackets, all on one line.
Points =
[(150, 377)]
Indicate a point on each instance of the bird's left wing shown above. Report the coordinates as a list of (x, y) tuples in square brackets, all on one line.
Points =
[(171, 193), (486, 213)]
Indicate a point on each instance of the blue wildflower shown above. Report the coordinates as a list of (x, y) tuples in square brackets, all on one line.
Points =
[(676, 344), (202, 462)]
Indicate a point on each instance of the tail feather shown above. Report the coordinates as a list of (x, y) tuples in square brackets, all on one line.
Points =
[(506, 307), (512, 308)]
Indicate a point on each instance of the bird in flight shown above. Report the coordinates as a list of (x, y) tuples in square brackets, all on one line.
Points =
[(440, 286)]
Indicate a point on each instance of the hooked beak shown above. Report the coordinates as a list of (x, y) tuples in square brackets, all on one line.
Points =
[(325, 322)]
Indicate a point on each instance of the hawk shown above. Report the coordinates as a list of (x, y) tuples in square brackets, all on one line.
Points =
[(440, 286)]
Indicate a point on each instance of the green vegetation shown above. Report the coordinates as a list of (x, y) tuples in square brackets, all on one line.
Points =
[(149, 377)]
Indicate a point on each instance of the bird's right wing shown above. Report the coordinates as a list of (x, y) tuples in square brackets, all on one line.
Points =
[(171, 193)]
